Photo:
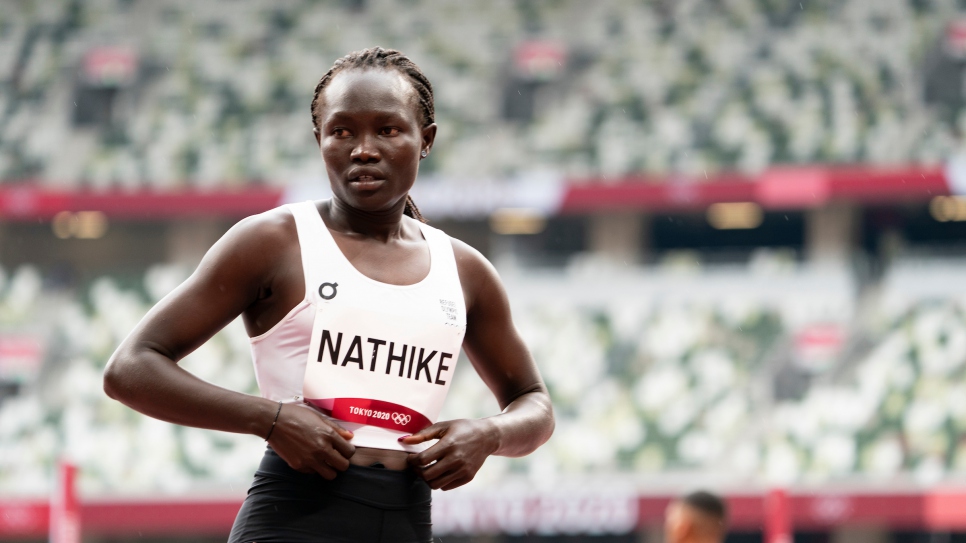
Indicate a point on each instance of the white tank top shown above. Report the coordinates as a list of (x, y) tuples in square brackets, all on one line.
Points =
[(377, 357)]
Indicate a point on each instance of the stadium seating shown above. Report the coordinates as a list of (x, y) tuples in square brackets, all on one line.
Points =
[(222, 92), (650, 374), (65, 411)]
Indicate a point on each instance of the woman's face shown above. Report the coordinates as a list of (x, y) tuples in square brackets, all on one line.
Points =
[(370, 134)]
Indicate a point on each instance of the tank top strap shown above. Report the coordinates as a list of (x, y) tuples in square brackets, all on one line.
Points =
[(315, 242), (443, 269)]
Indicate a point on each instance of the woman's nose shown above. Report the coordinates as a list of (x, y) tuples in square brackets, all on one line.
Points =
[(365, 150)]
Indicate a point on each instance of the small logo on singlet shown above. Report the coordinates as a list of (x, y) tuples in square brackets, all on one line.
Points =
[(449, 309), (327, 291)]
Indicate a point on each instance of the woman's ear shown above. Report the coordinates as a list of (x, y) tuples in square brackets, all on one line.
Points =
[(429, 136), (318, 135)]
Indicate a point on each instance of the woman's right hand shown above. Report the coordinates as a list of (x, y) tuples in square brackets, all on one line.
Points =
[(310, 442)]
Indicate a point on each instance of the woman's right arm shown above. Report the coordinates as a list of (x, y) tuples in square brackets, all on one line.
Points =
[(144, 373)]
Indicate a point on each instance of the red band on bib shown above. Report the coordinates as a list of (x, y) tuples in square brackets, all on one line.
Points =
[(373, 412)]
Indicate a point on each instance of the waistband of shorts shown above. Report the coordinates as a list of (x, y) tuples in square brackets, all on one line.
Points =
[(377, 487)]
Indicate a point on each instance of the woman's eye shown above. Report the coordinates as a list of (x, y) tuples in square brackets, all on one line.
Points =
[(389, 131), (340, 132)]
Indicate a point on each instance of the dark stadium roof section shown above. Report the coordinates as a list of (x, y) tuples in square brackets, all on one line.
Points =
[(777, 188)]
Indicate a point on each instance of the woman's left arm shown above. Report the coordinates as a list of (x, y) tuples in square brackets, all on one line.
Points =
[(503, 362)]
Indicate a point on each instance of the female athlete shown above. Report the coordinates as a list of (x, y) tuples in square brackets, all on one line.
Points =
[(356, 311)]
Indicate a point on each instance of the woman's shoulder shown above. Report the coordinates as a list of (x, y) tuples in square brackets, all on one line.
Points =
[(477, 275), (261, 237), (272, 226), (467, 255)]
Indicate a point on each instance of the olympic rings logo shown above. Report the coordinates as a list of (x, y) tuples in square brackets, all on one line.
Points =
[(401, 419)]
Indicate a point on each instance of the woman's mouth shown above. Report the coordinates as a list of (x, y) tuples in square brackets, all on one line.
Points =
[(366, 182)]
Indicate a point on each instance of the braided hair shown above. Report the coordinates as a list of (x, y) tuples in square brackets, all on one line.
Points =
[(377, 57)]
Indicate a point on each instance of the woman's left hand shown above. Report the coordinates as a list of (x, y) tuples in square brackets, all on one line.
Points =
[(461, 450), (502, 360)]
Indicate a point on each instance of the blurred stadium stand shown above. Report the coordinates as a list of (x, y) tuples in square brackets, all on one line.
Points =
[(173, 94), (731, 230)]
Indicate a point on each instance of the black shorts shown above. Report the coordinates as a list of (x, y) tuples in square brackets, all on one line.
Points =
[(361, 505)]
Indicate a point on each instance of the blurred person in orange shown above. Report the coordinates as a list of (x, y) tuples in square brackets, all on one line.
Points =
[(357, 310), (699, 517)]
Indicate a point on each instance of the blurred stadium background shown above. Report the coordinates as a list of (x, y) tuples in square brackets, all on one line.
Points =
[(731, 231)]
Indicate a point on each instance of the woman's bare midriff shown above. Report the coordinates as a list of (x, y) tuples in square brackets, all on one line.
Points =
[(394, 460)]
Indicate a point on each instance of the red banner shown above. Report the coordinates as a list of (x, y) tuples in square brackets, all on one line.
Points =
[(552, 510), (777, 188), (374, 413)]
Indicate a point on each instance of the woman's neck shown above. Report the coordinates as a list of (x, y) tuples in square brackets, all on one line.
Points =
[(382, 225)]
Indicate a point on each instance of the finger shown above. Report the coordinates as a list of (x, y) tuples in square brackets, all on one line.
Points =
[(451, 480), (443, 479), (456, 483), (326, 471), (297, 465), (343, 433), (346, 434), (337, 436), (342, 446), (434, 431), (437, 469), (334, 459), (315, 465), (427, 457)]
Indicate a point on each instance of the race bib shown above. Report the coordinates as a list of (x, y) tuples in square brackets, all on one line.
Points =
[(372, 368)]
